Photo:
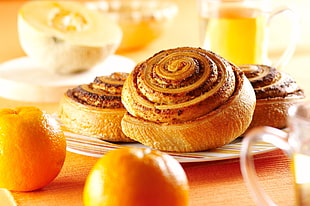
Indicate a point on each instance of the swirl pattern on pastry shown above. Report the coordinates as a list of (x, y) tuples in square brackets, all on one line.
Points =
[(95, 109), (180, 86), (271, 83), (177, 89), (103, 92), (275, 92)]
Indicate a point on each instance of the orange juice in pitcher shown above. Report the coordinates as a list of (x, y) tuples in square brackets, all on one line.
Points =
[(301, 171), (295, 142), (237, 35), (238, 30)]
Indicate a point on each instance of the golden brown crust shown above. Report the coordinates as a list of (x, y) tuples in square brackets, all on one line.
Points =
[(275, 92), (186, 99), (103, 92), (95, 109)]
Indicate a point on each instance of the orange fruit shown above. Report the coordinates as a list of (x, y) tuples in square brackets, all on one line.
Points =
[(136, 177), (32, 149)]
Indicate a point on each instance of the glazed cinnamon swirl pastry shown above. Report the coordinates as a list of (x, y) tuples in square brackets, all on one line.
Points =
[(96, 109), (275, 92), (186, 99)]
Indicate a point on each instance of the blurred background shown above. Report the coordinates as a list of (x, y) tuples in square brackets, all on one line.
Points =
[(186, 21)]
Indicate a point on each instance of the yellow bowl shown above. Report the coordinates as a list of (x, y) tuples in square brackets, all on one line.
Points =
[(141, 21)]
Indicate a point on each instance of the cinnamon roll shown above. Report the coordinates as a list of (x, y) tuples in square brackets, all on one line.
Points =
[(96, 109), (185, 100), (275, 92)]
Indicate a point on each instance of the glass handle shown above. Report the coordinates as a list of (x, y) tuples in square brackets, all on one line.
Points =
[(262, 134), (294, 35)]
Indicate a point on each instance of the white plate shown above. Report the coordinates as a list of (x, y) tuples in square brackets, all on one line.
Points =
[(96, 148), (23, 80)]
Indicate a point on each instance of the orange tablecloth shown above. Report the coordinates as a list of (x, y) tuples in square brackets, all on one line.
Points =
[(211, 183)]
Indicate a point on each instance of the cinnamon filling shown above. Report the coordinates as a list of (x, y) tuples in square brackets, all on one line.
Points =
[(103, 92), (271, 83), (178, 85)]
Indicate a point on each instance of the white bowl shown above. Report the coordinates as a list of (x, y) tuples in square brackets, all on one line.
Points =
[(141, 21)]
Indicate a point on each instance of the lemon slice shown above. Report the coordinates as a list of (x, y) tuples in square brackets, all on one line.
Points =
[(66, 37), (6, 198)]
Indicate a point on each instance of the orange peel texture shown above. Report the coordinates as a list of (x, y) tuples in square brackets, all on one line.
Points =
[(138, 177), (32, 149)]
